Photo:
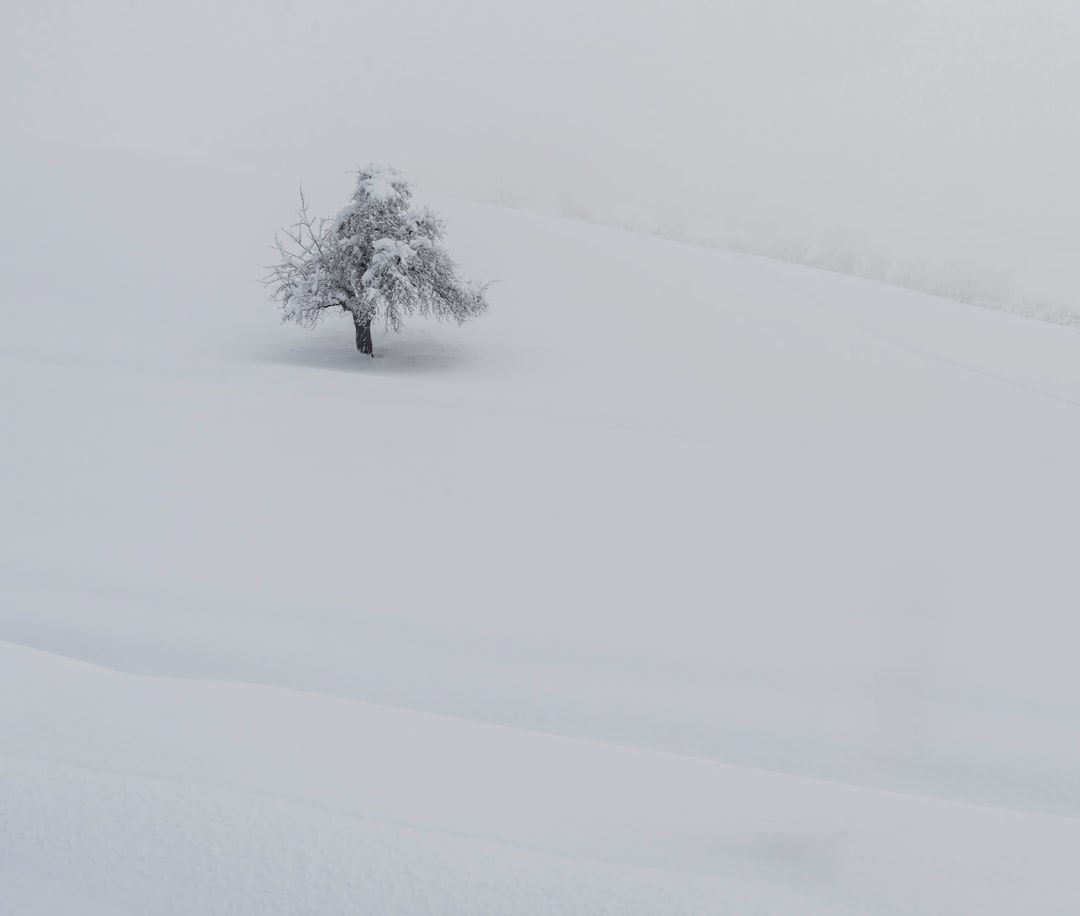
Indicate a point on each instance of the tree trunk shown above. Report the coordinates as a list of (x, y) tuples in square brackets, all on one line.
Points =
[(363, 333)]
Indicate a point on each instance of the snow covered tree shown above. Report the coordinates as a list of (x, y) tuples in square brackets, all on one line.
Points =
[(380, 258)]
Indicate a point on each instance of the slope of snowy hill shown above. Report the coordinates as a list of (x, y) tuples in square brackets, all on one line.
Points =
[(683, 582)]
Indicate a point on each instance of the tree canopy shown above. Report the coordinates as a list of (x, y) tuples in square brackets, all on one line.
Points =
[(379, 259)]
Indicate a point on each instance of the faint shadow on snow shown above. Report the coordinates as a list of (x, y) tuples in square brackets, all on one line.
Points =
[(411, 353)]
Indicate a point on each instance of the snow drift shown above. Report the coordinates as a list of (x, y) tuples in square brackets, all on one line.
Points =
[(684, 581)]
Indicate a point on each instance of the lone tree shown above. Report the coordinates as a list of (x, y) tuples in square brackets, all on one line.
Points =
[(379, 258)]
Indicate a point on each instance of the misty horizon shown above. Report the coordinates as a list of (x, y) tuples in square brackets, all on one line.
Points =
[(920, 142)]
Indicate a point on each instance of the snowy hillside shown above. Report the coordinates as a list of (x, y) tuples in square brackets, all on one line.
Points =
[(682, 582)]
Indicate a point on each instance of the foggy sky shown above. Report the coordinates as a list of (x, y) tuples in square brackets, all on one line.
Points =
[(943, 132)]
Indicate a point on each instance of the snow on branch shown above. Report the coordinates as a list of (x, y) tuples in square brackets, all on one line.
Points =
[(379, 258)]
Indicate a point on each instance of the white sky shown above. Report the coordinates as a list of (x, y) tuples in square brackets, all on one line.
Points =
[(941, 130)]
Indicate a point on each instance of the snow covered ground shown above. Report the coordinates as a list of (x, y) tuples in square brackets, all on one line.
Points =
[(683, 582)]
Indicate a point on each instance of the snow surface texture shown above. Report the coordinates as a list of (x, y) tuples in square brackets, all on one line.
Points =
[(684, 582)]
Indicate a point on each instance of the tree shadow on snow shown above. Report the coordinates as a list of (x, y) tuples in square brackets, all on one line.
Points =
[(411, 353)]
